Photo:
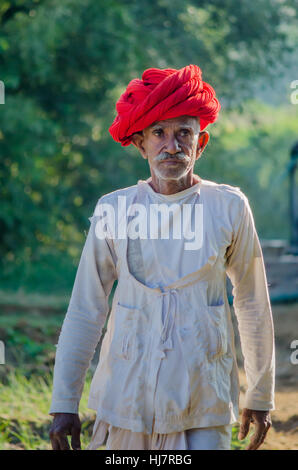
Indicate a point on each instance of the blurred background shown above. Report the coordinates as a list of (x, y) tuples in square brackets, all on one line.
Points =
[(63, 65)]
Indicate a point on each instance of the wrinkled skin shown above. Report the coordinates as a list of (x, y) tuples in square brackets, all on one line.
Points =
[(262, 424), (172, 147)]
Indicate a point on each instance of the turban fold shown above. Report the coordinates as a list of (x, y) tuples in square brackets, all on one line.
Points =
[(163, 94)]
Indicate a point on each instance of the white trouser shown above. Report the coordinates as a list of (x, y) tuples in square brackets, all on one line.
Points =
[(213, 438)]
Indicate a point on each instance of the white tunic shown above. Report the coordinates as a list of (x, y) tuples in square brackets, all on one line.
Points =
[(167, 361)]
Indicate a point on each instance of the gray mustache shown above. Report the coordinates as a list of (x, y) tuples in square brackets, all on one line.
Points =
[(167, 156)]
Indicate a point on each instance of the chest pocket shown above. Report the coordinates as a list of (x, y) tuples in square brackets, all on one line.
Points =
[(205, 323), (123, 343)]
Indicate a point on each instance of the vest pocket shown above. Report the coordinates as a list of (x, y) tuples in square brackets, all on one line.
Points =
[(217, 331), (123, 342), (127, 349)]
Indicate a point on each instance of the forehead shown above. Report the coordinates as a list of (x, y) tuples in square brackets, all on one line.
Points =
[(178, 121)]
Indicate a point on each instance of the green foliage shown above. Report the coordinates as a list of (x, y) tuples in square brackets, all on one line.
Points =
[(252, 151), (64, 64), (236, 444), (24, 412), (26, 380)]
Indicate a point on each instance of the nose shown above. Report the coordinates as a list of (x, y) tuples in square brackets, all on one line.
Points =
[(172, 145)]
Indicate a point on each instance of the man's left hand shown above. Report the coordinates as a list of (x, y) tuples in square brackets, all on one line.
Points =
[(262, 422)]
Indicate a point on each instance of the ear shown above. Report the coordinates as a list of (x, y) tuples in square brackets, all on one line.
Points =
[(202, 142), (138, 142)]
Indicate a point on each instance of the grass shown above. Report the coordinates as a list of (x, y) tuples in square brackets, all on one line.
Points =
[(236, 444), (24, 418), (24, 412), (33, 300)]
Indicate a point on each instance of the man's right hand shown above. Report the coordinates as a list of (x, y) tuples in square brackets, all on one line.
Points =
[(65, 424)]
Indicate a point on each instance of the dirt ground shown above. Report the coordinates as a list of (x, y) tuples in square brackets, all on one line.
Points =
[(284, 432)]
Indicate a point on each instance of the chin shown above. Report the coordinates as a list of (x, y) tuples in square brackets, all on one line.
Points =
[(171, 175)]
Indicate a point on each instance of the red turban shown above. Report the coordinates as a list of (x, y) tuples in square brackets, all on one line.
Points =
[(163, 94)]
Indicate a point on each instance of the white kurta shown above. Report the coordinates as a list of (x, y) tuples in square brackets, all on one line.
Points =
[(173, 370)]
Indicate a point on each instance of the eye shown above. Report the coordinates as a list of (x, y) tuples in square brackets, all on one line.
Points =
[(158, 132), (185, 132)]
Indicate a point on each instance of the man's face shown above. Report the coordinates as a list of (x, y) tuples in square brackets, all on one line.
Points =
[(172, 146)]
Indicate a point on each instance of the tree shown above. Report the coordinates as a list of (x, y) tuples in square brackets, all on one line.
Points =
[(64, 64)]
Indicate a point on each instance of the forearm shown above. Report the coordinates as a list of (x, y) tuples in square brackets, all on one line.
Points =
[(77, 342), (246, 269), (257, 338), (84, 321)]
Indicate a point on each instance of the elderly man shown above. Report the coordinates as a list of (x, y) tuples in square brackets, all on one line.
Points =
[(167, 375)]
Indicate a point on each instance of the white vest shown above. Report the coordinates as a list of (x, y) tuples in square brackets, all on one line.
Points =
[(142, 326)]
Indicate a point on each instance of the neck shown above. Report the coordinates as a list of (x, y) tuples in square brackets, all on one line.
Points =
[(173, 186)]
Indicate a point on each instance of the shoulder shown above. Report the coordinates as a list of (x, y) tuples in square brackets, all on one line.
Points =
[(227, 201), (128, 193), (111, 200), (223, 191)]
